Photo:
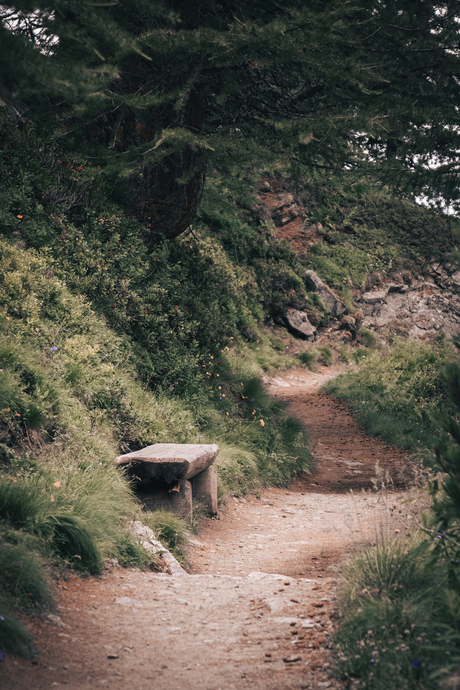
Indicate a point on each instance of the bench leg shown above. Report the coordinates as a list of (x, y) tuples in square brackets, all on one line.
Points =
[(179, 502), (204, 487)]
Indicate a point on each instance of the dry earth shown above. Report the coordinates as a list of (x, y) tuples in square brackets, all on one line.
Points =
[(258, 608)]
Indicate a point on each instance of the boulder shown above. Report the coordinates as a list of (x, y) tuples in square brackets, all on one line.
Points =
[(297, 322), (149, 542), (204, 489), (332, 304)]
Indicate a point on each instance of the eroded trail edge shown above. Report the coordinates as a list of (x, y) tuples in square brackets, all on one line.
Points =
[(259, 606)]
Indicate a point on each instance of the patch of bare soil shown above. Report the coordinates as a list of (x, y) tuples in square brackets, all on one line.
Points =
[(258, 607)]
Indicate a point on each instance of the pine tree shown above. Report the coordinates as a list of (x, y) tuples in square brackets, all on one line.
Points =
[(162, 90)]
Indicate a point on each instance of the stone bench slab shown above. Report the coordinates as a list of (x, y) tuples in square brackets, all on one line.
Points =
[(170, 462)]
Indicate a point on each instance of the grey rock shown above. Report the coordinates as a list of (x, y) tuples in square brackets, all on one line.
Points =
[(423, 309), (396, 287), (204, 489), (374, 297), (348, 323), (333, 304), (150, 544), (297, 322), (285, 210), (57, 620)]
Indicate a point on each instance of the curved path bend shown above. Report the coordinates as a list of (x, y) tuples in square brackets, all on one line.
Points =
[(259, 606)]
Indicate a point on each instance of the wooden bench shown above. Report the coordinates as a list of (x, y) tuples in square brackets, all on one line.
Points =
[(170, 475)]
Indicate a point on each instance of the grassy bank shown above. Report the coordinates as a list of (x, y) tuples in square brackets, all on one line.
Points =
[(400, 600), (399, 626), (71, 399), (396, 391)]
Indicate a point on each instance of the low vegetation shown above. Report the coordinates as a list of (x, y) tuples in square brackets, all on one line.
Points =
[(401, 598), (106, 349), (396, 391), (397, 628)]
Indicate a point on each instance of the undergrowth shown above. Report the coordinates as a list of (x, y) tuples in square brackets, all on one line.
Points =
[(396, 391), (401, 598), (367, 233), (394, 618)]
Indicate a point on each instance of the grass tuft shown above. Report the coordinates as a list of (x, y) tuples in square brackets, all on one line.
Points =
[(23, 577), (14, 638), (171, 530), (308, 357), (394, 620), (73, 542)]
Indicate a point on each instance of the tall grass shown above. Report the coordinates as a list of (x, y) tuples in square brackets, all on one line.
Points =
[(401, 599), (395, 615), (396, 391), (14, 638), (72, 401)]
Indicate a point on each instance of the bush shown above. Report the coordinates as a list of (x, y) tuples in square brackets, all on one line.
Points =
[(401, 601), (23, 577), (14, 638), (326, 355)]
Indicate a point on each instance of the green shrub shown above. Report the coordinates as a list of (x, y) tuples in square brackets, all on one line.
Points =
[(23, 577), (345, 353), (368, 338), (14, 638), (72, 541), (327, 356)]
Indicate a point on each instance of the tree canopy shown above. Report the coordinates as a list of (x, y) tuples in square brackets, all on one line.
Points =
[(160, 90)]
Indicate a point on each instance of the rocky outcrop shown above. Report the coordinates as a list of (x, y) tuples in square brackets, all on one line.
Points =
[(297, 322), (419, 309), (286, 210), (332, 304)]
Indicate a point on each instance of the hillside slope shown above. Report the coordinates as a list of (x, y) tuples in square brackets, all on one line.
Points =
[(107, 347)]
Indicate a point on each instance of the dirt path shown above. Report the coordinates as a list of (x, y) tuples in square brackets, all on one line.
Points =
[(258, 607)]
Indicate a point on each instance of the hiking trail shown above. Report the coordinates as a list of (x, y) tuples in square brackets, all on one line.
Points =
[(258, 607)]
